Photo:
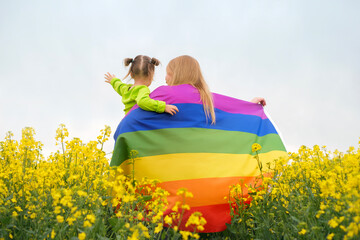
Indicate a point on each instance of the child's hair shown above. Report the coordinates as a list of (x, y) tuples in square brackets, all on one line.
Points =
[(186, 70), (141, 66)]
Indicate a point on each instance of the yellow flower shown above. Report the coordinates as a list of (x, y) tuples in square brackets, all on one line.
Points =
[(61, 133), (333, 223), (135, 235), (77, 214), (18, 209), (197, 220), (82, 236), (330, 236), (302, 232), (71, 220), (185, 234), (81, 193), (15, 214), (185, 206), (189, 194), (91, 218), (255, 147), (319, 213), (60, 218), (168, 220), (176, 207), (158, 228), (87, 224), (33, 215), (146, 234), (57, 210), (140, 216), (53, 234), (73, 209)]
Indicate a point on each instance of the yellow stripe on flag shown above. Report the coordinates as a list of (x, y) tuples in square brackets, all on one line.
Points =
[(182, 166)]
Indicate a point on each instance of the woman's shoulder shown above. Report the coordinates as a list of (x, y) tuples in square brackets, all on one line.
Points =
[(175, 89), (176, 94)]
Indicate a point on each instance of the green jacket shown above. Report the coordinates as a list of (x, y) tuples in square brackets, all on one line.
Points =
[(137, 95)]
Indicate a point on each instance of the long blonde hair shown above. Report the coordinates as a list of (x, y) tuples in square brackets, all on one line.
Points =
[(186, 70)]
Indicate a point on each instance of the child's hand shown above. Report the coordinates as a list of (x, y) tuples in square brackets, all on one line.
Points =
[(259, 100), (108, 77), (171, 109)]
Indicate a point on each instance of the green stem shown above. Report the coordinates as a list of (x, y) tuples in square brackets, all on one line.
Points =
[(259, 164)]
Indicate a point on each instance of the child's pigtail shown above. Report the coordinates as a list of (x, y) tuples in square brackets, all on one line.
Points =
[(151, 67), (127, 61), (155, 61)]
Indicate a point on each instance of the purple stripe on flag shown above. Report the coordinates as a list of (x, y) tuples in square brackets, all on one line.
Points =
[(186, 93)]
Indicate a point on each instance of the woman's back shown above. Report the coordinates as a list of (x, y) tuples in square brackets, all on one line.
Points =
[(187, 151)]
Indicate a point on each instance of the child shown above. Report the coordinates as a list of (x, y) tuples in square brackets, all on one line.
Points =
[(142, 71)]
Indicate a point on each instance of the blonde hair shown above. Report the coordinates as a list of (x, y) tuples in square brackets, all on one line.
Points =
[(141, 66), (186, 70)]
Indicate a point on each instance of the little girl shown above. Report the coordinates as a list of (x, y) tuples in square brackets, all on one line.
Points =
[(142, 71)]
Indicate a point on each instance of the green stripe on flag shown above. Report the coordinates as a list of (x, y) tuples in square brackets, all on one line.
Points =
[(191, 140)]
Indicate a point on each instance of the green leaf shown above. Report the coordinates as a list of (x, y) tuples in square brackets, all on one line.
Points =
[(147, 197)]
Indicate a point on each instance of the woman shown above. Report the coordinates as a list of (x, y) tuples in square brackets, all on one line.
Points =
[(186, 70)]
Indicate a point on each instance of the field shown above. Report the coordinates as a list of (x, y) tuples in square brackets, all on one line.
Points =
[(74, 194)]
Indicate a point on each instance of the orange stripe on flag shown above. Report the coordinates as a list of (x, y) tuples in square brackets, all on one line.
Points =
[(206, 191)]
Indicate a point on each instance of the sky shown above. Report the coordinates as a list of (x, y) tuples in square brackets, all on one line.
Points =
[(303, 57)]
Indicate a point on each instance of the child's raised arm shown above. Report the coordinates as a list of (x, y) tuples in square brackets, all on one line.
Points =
[(108, 77), (116, 83)]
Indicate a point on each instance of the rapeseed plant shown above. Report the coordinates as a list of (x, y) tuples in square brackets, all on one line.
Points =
[(74, 193), (313, 194)]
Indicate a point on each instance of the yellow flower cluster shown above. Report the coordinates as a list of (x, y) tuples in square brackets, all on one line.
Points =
[(53, 197), (74, 193), (195, 221), (314, 192)]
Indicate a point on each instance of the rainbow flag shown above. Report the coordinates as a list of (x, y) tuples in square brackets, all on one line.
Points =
[(186, 151)]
